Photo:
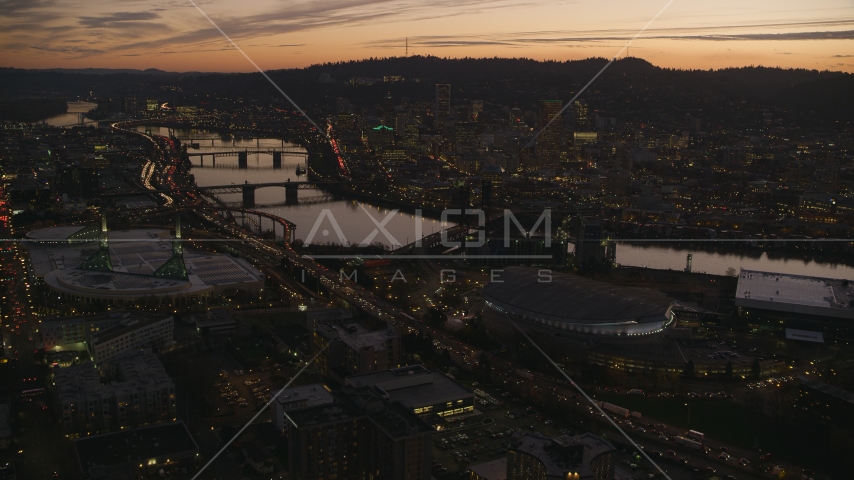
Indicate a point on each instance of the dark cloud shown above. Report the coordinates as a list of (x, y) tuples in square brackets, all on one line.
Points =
[(328, 14), (521, 39), (833, 35), (117, 20), (68, 50), (21, 8)]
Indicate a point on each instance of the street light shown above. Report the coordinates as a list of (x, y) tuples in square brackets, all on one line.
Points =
[(689, 413)]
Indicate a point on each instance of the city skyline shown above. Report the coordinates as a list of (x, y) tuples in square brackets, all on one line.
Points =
[(174, 36)]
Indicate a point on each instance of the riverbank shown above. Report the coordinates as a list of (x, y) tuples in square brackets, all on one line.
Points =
[(31, 109)]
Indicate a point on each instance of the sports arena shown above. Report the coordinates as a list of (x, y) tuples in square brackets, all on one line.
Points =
[(573, 306)]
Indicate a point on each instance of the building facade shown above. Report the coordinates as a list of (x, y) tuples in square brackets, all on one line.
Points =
[(131, 334), (75, 333)]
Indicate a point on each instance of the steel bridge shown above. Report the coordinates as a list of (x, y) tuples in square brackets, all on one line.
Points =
[(247, 190), (242, 154)]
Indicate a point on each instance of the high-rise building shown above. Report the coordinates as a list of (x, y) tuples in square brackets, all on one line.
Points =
[(358, 436), (443, 105), (548, 144), (579, 113), (476, 109), (354, 350)]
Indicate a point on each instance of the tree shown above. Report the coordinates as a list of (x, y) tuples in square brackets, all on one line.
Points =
[(730, 272), (689, 369), (728, 372), (436, 317), (226, 433), (757, 369)]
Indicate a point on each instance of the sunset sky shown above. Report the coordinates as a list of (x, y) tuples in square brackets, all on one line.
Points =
[(173, 35)]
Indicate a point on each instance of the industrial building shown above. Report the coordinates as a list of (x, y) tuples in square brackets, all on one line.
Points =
[(769, 301), (216, 322), (428, 393), (580, 457), (142, 395)]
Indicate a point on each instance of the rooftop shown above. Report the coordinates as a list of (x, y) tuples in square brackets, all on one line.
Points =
[(135, 255), (412, 386), (398, 421), (494, 470), (574, 299), (828, 389), (795, 293), (134, 446), (125, 327), (133, 314), (305, 396), (547, 450), (138, 372), (323, 415)]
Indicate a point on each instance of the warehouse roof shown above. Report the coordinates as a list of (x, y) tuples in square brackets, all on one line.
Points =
[(795, 294)]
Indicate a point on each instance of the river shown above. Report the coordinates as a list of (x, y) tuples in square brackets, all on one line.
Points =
[(353, 218), (662, 256), (358, 220), (69, 119)]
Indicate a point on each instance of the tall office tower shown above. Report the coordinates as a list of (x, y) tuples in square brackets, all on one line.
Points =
[(548, 145), (443, 105), (476, 109), (579, 111)]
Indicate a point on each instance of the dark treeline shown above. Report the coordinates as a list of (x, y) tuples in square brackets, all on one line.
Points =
[(31, 109), (825, 94)]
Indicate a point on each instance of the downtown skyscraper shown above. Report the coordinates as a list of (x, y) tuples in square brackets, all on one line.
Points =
[(443, 105), (548, 144)]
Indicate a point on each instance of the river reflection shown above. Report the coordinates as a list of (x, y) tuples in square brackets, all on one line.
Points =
[(353, 219), (356, 225)]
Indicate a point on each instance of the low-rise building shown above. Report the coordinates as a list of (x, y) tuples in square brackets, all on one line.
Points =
[(216, 322), (258, 458), (142, 395), (75, 333), (426, 393), (129, 335), (139, 452)]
